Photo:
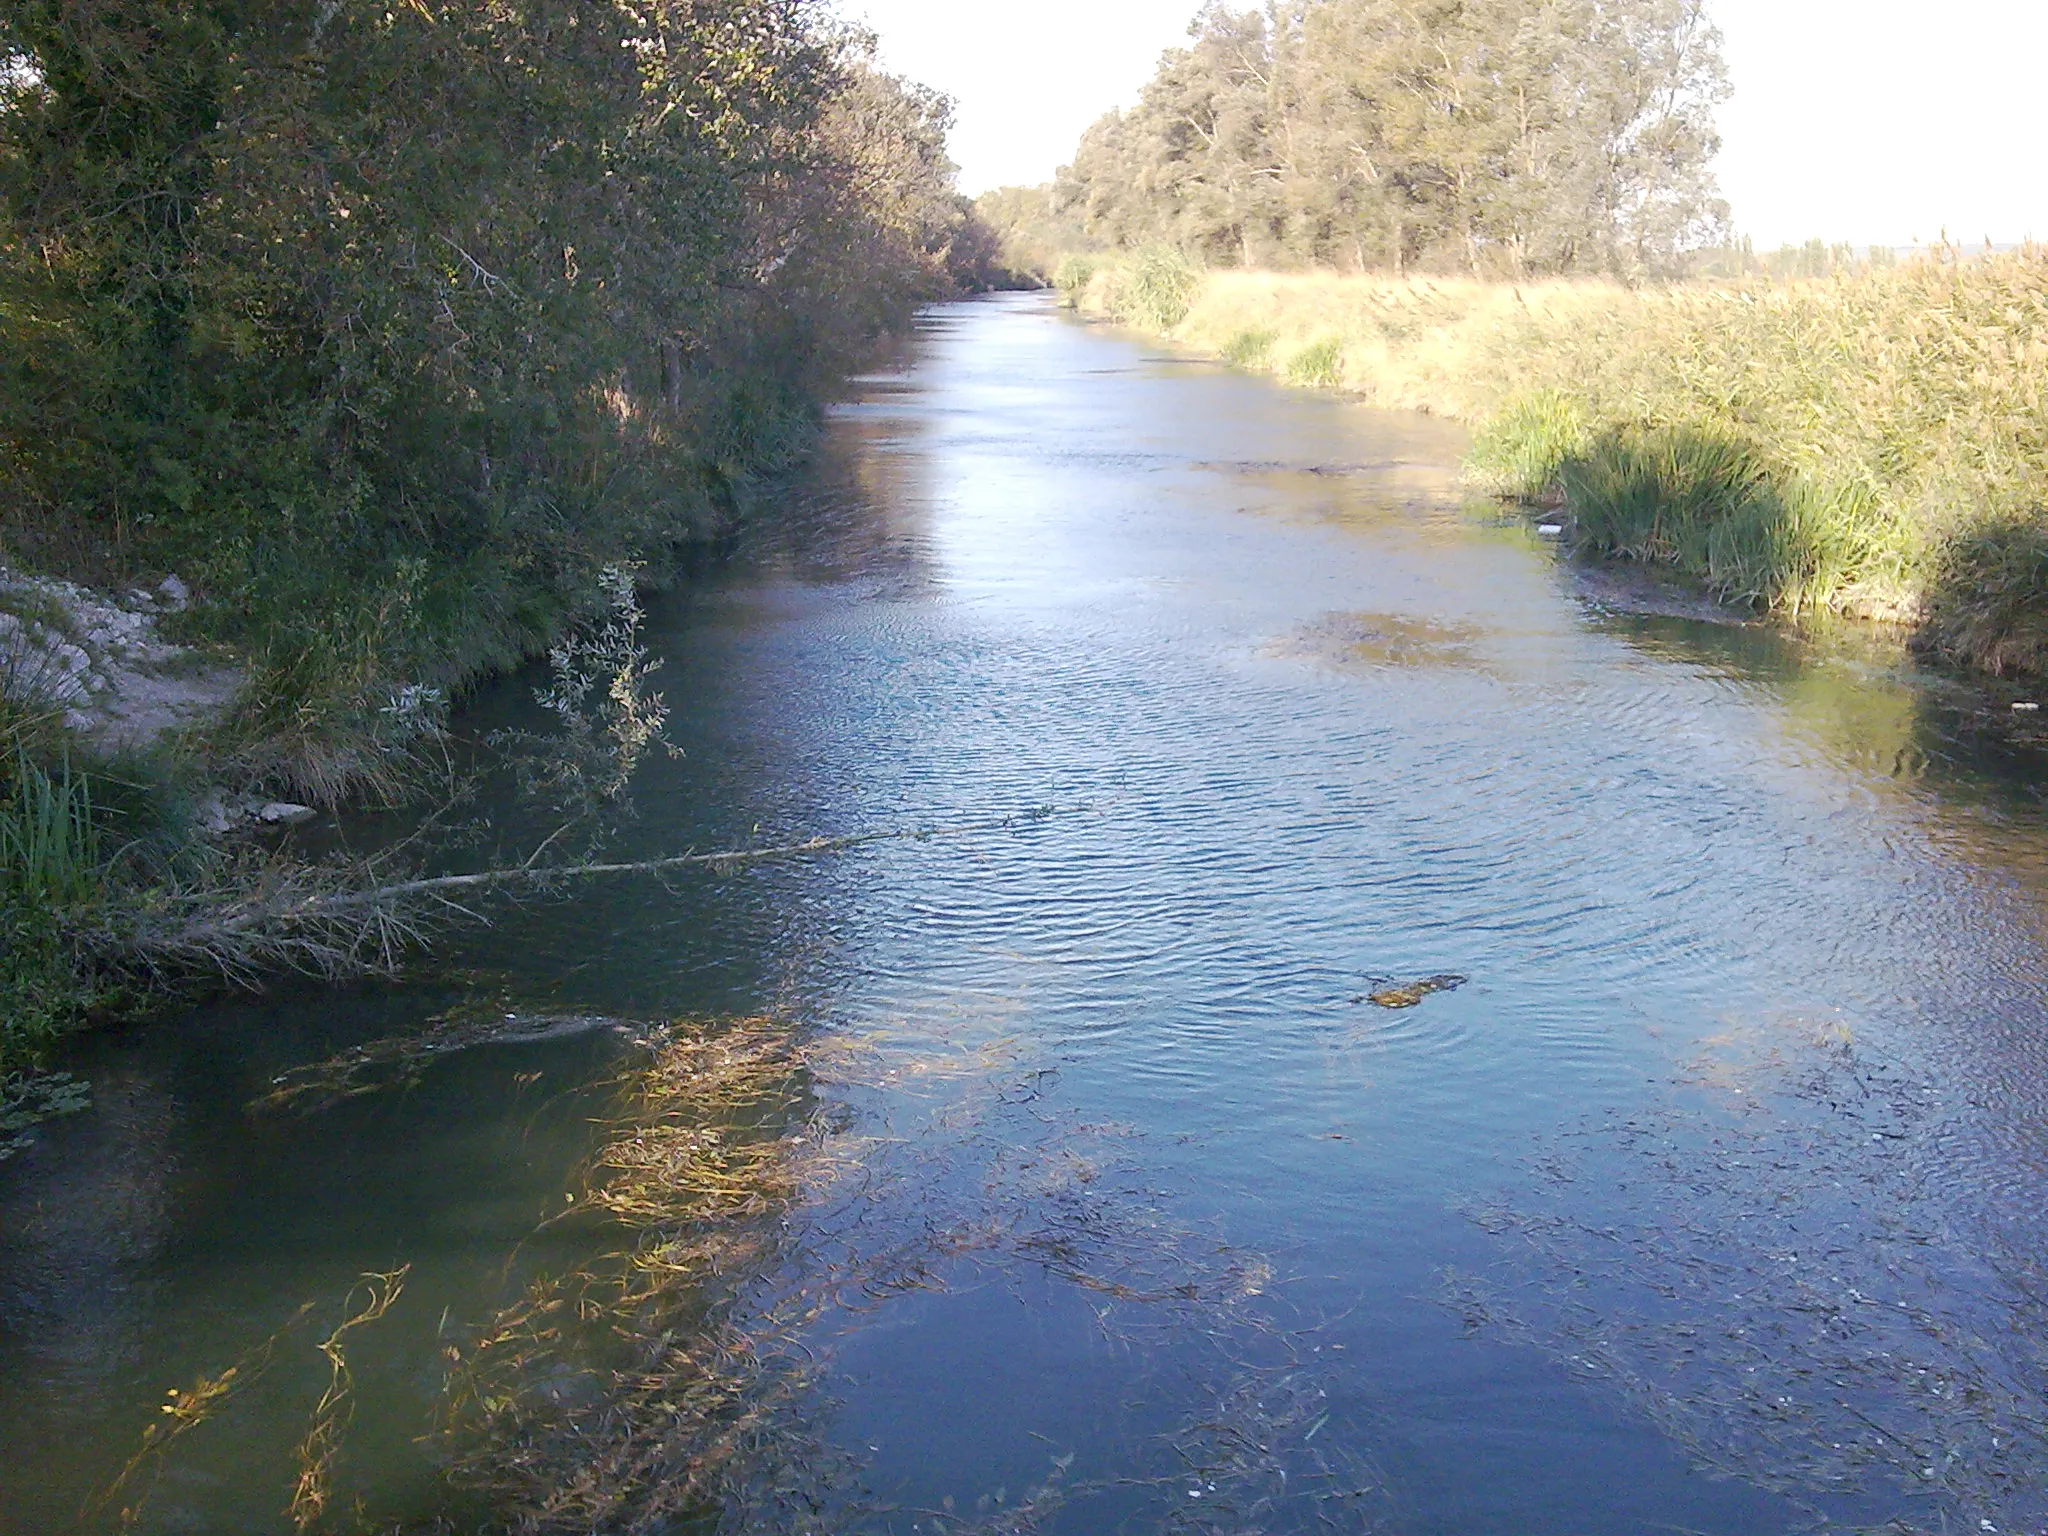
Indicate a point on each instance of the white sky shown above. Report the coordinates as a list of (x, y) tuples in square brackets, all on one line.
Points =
[(1871, 121)]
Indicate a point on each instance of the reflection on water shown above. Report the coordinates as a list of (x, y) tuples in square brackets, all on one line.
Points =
[(1070, 1177)]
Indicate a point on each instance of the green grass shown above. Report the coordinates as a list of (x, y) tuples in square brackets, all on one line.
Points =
[(1250, 349), (1521, 450), (50, 853), (1319, 365), (51, 860)]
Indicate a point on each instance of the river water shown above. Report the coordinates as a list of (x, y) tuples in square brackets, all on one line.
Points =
[(1094, 1191)]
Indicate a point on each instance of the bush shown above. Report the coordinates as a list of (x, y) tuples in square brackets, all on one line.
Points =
[(1153, 290), (1073, 275)]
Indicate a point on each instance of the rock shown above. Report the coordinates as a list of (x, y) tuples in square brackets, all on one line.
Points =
[(177, 596), (282, 813)]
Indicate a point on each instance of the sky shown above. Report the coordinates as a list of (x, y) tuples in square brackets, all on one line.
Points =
[(1876, 122)]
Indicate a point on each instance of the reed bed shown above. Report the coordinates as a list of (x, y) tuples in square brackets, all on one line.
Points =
[(1873, 442)]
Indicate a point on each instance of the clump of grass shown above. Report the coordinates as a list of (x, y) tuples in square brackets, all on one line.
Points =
[(1073, 275), (1986, 605), (51, 860), (1153, 290), (1521, 450), (1319, 365), (1655, 495), (1250, 349), (49, 843)]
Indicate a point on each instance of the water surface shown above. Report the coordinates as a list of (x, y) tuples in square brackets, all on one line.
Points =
[(1711, 1200)]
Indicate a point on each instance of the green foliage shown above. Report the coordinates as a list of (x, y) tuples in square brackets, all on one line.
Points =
[(1520, 451), (1154, 289), (49, 840), (1031, 237), (1499, 137), (1319, 365), (389, 328), (1250, 349), (1988, 604)]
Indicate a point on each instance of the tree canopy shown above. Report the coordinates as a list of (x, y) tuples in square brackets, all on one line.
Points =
[(1498, 137), (435, 304)]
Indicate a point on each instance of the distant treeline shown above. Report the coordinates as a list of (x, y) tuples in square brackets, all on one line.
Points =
[(1503, 138), (388, 323)]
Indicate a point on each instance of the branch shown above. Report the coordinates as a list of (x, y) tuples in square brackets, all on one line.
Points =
[(335, 931)]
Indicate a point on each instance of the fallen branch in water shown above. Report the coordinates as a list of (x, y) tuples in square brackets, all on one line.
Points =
[(305, 918)]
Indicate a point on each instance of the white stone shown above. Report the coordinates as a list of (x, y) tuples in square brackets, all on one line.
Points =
[(284, 813), (176, 593)]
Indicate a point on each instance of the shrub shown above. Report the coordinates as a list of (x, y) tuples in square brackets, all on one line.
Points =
[(1154, 289)]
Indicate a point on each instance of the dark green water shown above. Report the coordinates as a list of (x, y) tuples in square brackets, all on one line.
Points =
[(1712, 1201)]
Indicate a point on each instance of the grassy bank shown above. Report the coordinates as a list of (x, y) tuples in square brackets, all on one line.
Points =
[(1874, 442)]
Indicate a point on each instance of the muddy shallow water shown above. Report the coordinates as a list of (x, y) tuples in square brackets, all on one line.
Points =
[(1077, 1183)]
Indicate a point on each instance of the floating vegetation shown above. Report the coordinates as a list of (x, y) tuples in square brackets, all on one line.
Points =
[(1382, 640), (1411, 994), (320, 1449), (399, 1061), (1781, 1278), (28, 1099)]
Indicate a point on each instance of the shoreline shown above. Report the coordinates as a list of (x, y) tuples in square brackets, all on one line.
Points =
[(1768, 442)]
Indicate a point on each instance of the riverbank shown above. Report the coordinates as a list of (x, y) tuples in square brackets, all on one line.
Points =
[(395, 381), (1872, 443)]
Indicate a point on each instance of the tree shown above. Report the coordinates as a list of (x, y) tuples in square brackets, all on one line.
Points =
[(1493, 136)]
